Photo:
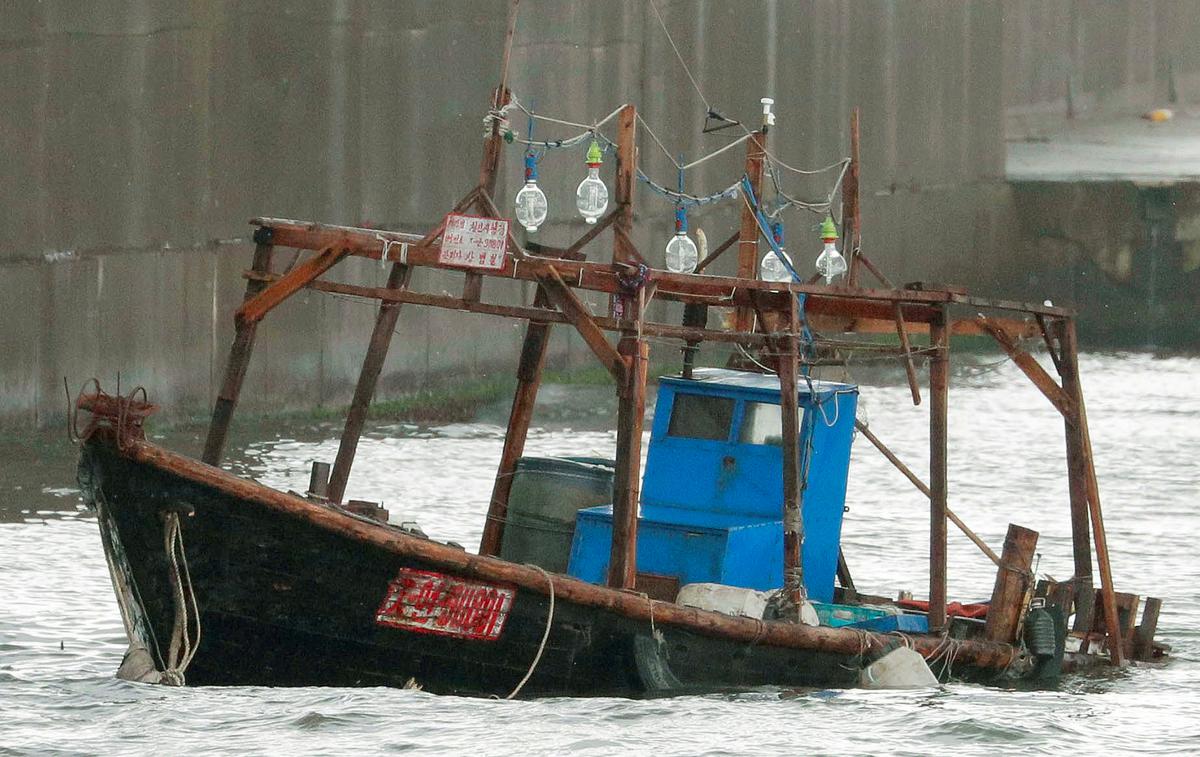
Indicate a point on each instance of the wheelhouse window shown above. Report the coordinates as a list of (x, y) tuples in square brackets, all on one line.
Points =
[(762, 423), (697, 416)]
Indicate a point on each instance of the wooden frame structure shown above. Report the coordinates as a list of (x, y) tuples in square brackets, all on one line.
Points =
[(765, 316)]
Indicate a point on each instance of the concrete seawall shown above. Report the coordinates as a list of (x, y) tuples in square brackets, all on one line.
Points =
[(140, 136)]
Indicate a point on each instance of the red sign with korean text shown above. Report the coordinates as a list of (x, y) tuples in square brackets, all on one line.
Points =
[(474, 242), (428, 602)]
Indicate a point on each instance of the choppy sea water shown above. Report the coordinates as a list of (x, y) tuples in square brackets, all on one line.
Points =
[(61, 637)]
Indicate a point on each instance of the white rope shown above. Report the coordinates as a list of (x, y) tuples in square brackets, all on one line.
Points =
[(182, 648), (545, 635)]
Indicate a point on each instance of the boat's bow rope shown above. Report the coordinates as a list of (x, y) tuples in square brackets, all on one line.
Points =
[(183, 647)]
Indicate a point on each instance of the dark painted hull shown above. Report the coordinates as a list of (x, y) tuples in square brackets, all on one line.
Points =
[(284, 602)]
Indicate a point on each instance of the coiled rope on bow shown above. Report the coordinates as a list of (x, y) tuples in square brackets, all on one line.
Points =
[(183, 647)]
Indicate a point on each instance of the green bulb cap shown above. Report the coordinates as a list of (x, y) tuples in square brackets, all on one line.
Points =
[(593, 154), (828, 229)]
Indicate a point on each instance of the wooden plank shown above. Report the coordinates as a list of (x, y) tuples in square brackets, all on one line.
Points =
[(787, 366), (529, 379), (1013, 580), (577, 314), (939, 385), (924, 489), (1030, 367), (1143, 638), (239, 357), (748, 231), (631, 409), (909, 369)]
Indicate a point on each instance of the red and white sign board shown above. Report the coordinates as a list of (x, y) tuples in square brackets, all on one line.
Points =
[(474, 242), (428, 602)]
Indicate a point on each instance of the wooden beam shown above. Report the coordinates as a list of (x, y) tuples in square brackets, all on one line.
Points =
[(368, 379), (1143, 638), (1030, 367), (851, 219), (266, 300), (377, 350), (239, 357), (787, 366), (909, 369), (631, 409), (924, 489), (1013, 581), (1081, 534), (685, 287), (542, 315), (577, 314), (748, 231), (939, 384), (577, 246), (712, 256), (529, 378), (1083, 448)]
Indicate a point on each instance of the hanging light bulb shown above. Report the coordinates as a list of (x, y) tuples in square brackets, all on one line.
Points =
[(531, 200), (681, 250), (830, 262), (591, 198), (773, 267)]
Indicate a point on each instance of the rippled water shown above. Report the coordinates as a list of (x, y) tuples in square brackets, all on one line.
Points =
[(61, 638)]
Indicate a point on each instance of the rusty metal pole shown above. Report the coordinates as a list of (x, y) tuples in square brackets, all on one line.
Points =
[(239, 355), (939, 385)]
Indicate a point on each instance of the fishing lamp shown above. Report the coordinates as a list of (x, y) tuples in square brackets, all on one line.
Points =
[(774, 267), (681, 250), (531, 200), (591, 198), (830, 262)]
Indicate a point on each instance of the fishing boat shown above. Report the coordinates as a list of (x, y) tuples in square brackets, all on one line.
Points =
[(719, 566)]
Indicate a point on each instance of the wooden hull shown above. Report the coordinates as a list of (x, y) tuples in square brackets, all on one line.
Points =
[(291, 593)]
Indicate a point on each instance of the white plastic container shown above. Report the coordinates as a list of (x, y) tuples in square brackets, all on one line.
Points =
[(901, 668), (728, 600)]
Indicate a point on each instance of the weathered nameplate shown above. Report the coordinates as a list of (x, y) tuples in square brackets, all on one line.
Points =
[(474, 242), (428, 602)]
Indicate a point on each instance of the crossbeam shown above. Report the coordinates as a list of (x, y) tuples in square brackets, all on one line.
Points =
[(711, 290)]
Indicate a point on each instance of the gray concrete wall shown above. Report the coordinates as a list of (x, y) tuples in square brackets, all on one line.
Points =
[(1115, 55), (139, 137)]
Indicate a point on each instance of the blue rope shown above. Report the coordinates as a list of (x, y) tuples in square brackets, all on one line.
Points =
[(801, 297)]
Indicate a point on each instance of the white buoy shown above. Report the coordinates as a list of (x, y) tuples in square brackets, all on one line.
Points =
[(901, 668)]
